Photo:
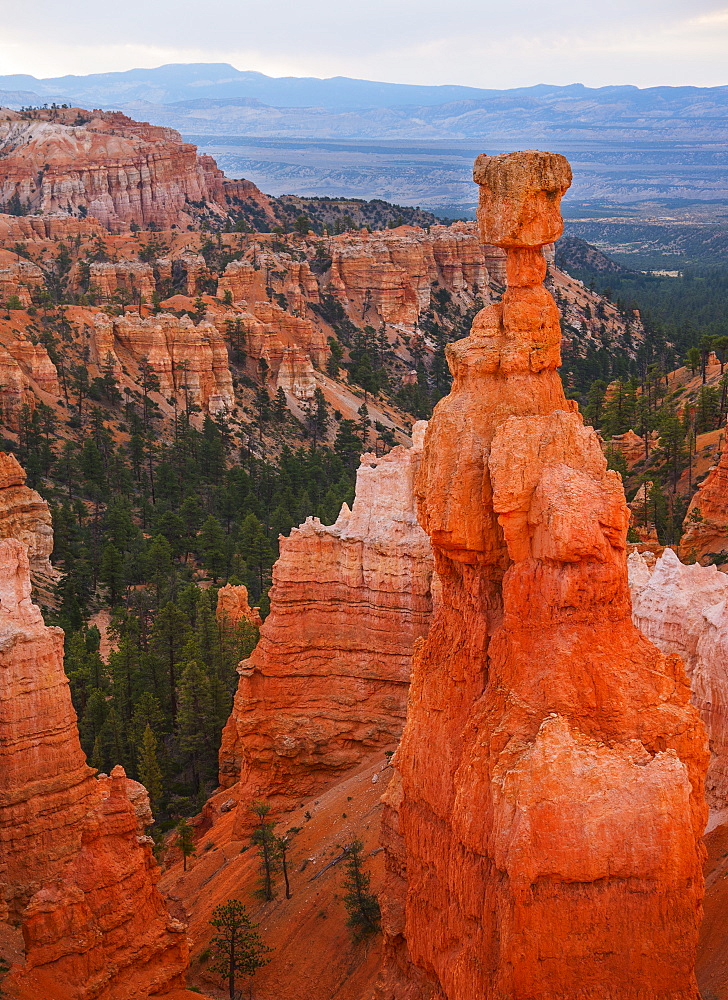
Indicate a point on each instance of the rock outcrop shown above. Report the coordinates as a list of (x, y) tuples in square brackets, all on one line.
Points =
[(684, 609), (388, 277), (25, 515), (74, 869), (543, 836), (327, 682), (706, 522), (118, 171), (233, 606), (190, 362)]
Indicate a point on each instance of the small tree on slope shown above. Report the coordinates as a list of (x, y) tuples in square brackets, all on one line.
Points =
[(237, 949)]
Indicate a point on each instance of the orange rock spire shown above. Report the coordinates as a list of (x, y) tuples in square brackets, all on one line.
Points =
[(74, 869), (327, 683), (543, 840), (706, 522)]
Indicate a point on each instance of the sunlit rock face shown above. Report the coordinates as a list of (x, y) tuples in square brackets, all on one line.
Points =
[(75, 870), (327, 683), (116, 171), (684, 610), (25, 515), (543, 833)]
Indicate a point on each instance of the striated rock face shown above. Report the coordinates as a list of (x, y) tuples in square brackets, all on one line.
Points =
[(296, 374), (73, 867), (327, 682), (103, 927), (684, 610), (25, 515), (706, 522), (106, 278), (388, 277), (233, 607), (116, 170), (47, 788), (189, 361), (19, 277), (24, 368), (543, 838)]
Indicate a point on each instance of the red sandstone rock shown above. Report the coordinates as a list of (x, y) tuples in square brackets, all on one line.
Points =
[(388, 276), (551, 766), (632, 447), (189, 361), (117, 170), (18, 277), (73, 866), (706, 522), (25, 515), (684, 610), (327, 683), (296, 374), (233, 607)]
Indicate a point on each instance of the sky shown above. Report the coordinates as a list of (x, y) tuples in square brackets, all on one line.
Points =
[(480, 43)]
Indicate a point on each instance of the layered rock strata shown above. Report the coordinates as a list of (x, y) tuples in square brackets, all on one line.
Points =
[(190, 362), (543, 836), (74, 869), (705, 534), (233, 606), (327, 682), (684, 610), (116, 170), (25, 515)]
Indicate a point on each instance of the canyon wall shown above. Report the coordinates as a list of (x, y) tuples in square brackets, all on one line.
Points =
[(684, 610), (118, 171), (190, 362), (25, 515), (543, 833), (706, 523), (74, 870), (327, 683)]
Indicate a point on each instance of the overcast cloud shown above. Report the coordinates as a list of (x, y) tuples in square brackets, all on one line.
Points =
[(480, 43)]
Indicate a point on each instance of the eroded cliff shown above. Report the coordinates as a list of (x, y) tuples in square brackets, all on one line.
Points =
[(25, 515), (107, 166), (75, 871), (543, 837), (705, 534), (327, 682), (684, 609)]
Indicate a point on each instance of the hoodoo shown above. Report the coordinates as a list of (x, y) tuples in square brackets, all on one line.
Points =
[(74, 871), (543, 838), (327, 683)]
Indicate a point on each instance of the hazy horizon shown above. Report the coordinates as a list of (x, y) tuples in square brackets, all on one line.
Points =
[(465, 43)]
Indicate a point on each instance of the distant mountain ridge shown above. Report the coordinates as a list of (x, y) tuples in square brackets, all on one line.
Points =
[(181, 82), (412, 144)]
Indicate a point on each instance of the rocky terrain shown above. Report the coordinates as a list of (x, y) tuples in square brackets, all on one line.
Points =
[(684, 610), (111, 168), (77, 873), (184, 390), (706, 522), (528, 529), (327, 683), (24, 515)]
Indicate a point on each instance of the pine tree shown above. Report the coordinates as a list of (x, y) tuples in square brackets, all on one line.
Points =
[(361, 904), (212, 546), (185, 841), (265, 840), (150, 773), (237, 948)]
